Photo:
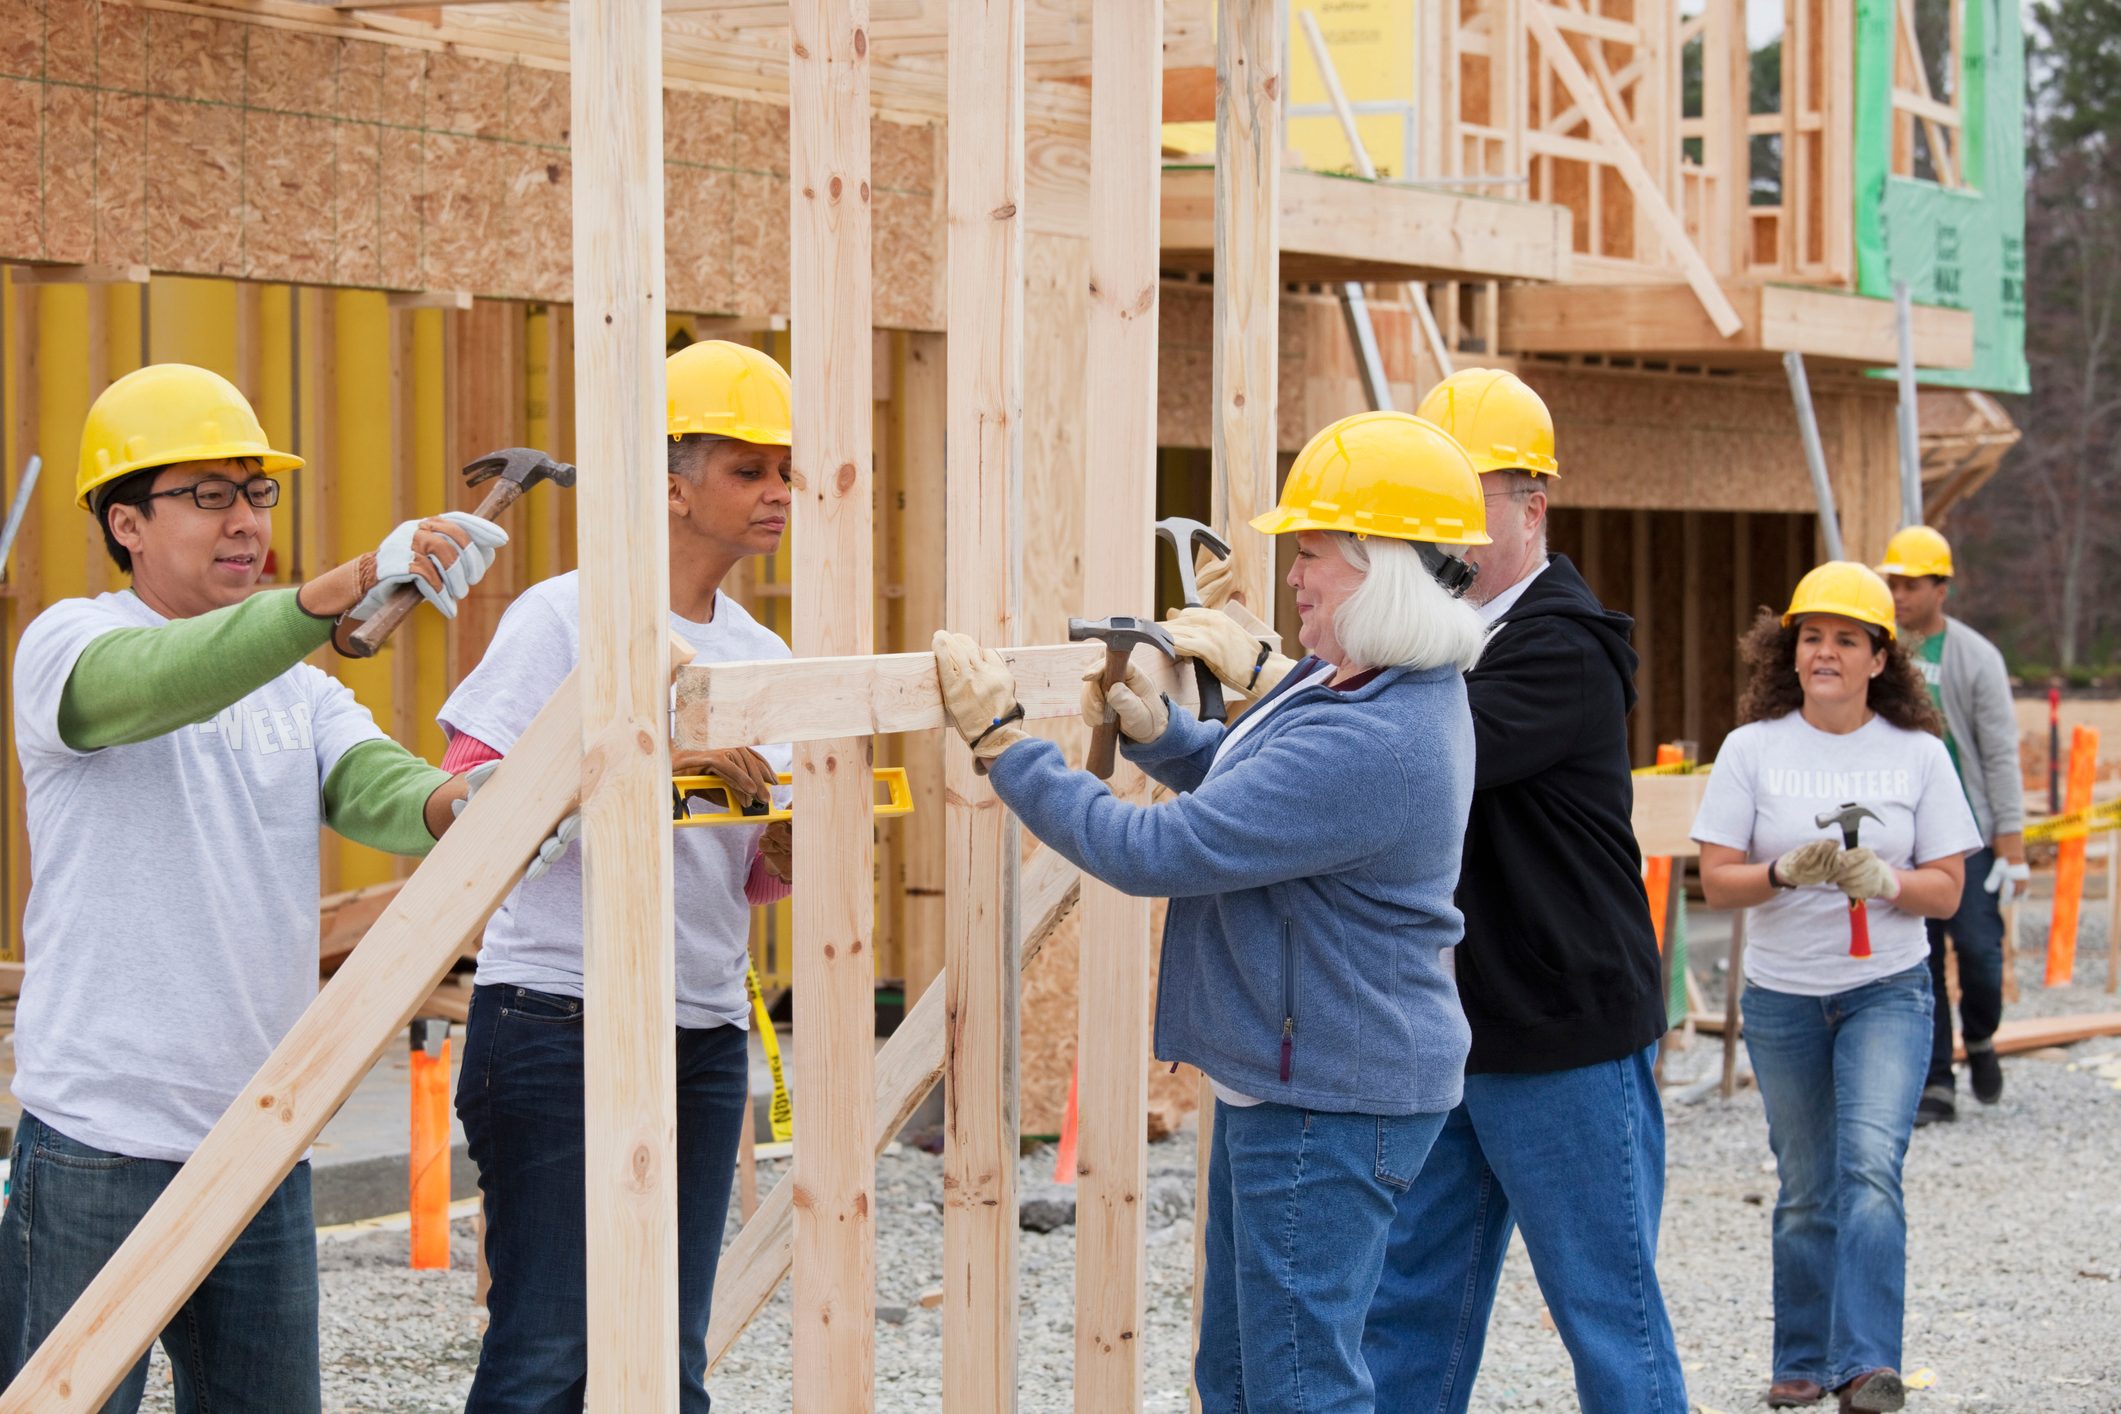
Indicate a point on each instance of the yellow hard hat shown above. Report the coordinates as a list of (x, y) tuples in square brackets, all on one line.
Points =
[(167, 413), (1918, 551), (1383, 473), (1846, 588), (728, 390), (1502, 424)]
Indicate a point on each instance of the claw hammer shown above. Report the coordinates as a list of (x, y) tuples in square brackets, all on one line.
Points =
[(1848, 817)]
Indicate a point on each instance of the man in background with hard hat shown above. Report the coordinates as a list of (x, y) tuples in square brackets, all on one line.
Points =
[(1561, 1132), (178, 758), (1972, 688), (730, 426)]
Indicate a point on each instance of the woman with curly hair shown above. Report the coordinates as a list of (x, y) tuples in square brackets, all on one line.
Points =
[(1836, 714)]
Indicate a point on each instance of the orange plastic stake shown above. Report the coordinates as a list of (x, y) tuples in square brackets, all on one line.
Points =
[(2069, 860), (430, 1146), (1657, 872), (1064, 1160)]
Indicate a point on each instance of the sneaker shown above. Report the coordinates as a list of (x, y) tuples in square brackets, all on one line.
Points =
[(1986, 1072), (1937, 1106)]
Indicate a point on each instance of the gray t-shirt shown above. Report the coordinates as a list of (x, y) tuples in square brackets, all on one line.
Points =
[(1772, 780), (171, 932), (535, 938)]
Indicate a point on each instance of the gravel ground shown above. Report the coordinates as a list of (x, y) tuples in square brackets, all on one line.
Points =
[(2014, 1297)]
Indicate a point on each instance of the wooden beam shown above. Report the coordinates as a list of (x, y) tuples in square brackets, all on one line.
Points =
[(834, 1317), (81, 274), (262, 1135), (1664, 812), (1112, 1047), (922, 408), (622, 536), (908, 1066), (1554, 48), (983, 480), (429, 299)]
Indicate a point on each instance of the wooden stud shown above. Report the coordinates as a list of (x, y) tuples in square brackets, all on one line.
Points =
[(430, 299), (983, 592), (404, 472), (834, 1318), (263, 1134), (923, 411), (81, 274), (630, 1018), (1112, 1049)]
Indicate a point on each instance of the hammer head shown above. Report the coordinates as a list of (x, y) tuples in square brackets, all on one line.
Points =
[(525, 466), (1847, 818), (1182, 535), (1121, 634)]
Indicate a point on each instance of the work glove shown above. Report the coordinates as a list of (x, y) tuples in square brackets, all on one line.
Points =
[(554, 845), (979, 695), (1134, 700), (1863, 875), (442, 556), (750, 776), (1807, 864), (1213, 576), (1231, 654), (2006, 878), (777, 851)]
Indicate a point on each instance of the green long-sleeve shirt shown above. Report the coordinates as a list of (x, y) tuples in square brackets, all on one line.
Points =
[(134, 684)]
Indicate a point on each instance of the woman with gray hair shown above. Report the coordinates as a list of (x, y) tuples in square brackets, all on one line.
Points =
[(1310, 855)]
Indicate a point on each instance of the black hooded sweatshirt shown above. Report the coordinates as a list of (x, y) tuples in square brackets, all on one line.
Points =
[(1559, 968)]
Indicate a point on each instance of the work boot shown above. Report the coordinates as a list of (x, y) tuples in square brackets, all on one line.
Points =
[(1985, 1071), (1939, 1105), (1794, 1394), (1874, 1392)]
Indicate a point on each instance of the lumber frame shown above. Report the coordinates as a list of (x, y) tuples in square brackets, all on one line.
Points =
[(983, 590), (1119, 485), (834, 1316), (622, 537), (264, 1132), (908, 1066)]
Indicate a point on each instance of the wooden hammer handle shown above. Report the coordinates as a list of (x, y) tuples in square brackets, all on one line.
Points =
[(1104, 738), (365, 641)]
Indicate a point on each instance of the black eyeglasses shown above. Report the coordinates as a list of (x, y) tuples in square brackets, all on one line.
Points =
[(215, 494)]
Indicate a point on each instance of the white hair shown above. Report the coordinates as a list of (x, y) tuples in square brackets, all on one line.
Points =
[(1399, 616)]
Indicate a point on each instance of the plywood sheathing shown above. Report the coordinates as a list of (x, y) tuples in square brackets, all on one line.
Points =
[(208, 146)]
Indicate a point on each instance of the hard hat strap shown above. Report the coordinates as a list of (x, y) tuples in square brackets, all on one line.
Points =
[(1454, 574)]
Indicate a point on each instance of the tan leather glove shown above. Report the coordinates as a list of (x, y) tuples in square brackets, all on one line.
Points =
[(1807, 864), (1214, 576), (979, 695), (1134, 700), (750, 775), (777, 850), (1863, 875), (1231, 654)]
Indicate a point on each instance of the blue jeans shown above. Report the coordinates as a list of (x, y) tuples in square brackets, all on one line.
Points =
[(520, 1098), (1977, 933), (245, 1340), (1300, 1204), (1576, 1159), (1840, 1075)]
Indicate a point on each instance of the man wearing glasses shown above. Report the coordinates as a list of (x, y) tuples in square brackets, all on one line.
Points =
[(178, 759)]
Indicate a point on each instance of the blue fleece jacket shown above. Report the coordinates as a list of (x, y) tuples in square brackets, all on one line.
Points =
[(1310, 873)]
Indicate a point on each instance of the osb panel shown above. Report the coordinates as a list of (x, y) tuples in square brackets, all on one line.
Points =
[(908, 265), (70, 147), (21, 184), (698, 244), (121, 48), (287, 182), (121, 178), (758, 231), (194, 186), (537, 106), (70, 41), (538, 194), (21, 41), (398, 206), (699, 128), (292, 72), (461, 213), (357, 208), (196, 57), (467, 96), (404, 93), (360, 86)]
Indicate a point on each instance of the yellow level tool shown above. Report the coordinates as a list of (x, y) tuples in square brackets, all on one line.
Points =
[(690, 803)]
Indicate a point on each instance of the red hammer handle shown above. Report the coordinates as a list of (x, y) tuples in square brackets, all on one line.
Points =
[(1104, 739), (365, 641), (1859, 929)]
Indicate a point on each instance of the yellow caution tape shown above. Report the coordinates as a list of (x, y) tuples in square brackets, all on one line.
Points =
[(1676, 768), (687, 792), (781, 1114), (2075, 824)]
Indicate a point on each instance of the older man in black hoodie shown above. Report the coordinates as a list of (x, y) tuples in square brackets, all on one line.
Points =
[(1561, 1134)]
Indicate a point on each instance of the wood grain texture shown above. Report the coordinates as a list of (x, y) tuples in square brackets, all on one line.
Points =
[(983, 308), (1119, 490), (310, 1073), (622, 539), (834, 1318)]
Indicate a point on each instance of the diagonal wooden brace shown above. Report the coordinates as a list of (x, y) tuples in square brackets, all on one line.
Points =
[(907, 1068), (310, 1073)]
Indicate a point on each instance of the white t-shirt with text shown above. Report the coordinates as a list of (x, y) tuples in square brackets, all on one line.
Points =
[(1772, 781), (171, 931), (535, 939)]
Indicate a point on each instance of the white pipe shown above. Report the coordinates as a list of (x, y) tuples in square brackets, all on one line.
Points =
[(1910, 450), (1814, 455)]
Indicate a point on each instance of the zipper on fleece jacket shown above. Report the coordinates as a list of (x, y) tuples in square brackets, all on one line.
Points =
[(1288, 996)]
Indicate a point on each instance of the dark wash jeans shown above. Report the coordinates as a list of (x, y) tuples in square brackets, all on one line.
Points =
[(1977, 932), (520, 1098), (246, 1340)]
